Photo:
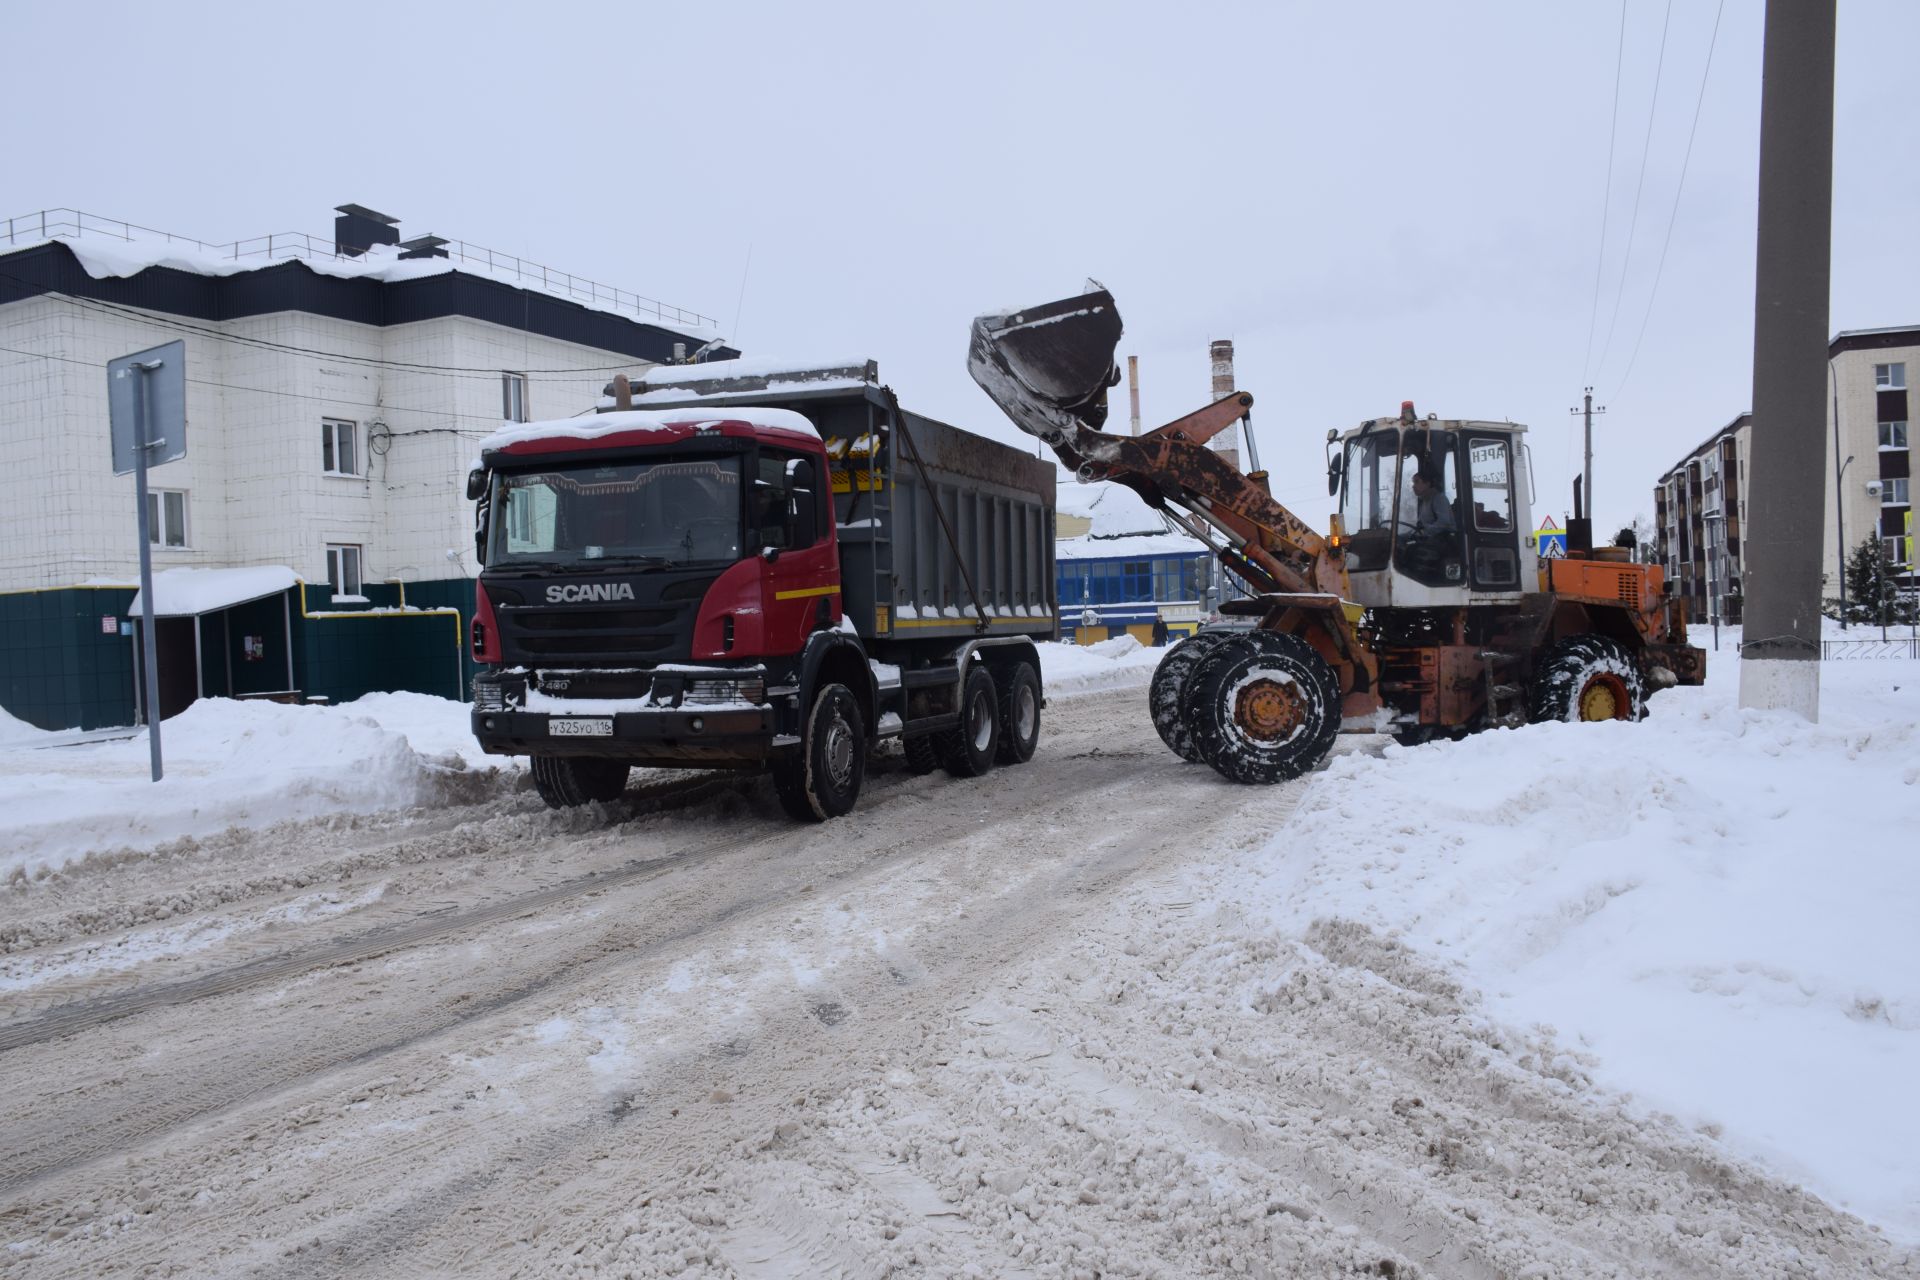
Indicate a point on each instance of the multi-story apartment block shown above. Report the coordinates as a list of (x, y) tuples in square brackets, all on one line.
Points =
[(336, 389), (1700, 508), (1870, 445), (1700, 503)]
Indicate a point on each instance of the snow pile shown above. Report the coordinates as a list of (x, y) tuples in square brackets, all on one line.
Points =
[(180, 593), (17, 732), (1718, 906), (1120, 663), (670, 424), (228, 763)]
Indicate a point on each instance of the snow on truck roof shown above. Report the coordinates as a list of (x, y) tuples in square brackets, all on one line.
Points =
[(670, 424)]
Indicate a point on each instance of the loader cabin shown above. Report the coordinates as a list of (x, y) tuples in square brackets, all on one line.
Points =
[(1432, 512)]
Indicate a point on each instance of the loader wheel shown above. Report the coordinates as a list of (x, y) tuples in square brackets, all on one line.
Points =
[(822, 779), (1264, 707), (1019, 716), (922, 752), (970, 749), (1587, 678), (567, 782), (1167, 695)]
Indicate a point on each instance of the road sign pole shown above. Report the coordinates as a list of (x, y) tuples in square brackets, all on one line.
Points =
[(149, 643)]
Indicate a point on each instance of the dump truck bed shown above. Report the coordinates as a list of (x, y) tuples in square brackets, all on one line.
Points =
[(901, 579)]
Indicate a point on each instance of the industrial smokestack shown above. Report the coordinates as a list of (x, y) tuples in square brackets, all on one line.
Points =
[(1133, 391), (1220, 353)]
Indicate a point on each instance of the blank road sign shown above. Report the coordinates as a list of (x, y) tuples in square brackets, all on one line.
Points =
[(166, 404)]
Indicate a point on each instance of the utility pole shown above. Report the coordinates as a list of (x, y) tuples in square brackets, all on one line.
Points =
[(1780, 659), (1587, 471)]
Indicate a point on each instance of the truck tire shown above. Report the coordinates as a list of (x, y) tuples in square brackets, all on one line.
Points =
[(922, 752), (1019, 716), (567, 782), (970, 749), (822, 779), (1264, 707), (1587, 678), (1167, 695)]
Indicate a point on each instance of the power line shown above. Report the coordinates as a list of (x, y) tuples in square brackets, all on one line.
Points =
[(1646, 147), (1674, 213), (1606, 193)]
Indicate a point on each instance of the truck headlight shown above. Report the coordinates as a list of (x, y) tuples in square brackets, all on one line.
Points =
[(710, 692)]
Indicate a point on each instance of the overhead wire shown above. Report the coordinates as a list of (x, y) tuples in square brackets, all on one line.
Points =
[(1674, 213), (1606, 194), (1646, 148)]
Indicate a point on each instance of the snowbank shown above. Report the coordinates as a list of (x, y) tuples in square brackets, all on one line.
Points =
[(1120, 663), (1719, 906), (227, 764)]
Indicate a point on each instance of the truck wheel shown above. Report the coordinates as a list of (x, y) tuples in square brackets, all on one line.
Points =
[(822, 779), (1264, 707), (566, 782), (971, 747), (1019, 717), (1167, 695), (922, 752), (1587, 678)]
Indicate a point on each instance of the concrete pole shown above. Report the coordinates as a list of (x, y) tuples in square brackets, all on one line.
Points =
[(1780, 658)]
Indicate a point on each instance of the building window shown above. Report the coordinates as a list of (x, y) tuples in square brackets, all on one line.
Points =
[(1890, 377), (343, 568), (513, 397), (167, 517), (338, 457), (1893, 493), (1893, 435), (1896, 551)]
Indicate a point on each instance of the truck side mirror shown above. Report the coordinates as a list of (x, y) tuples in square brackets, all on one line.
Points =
[(1336, 467), (476, 484), (803, 511)]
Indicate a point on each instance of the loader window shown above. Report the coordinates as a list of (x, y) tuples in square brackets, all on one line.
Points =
[(1492, 485), (1366, 498)]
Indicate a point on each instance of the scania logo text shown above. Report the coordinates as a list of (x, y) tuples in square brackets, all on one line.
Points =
[(582, 593)]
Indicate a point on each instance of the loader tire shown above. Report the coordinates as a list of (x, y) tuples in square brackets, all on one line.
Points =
[(1587, 678), (969, 750), (1264, 707), (567, 782), (922, 752), (1167, 695), (1020, 703), (822, 778)]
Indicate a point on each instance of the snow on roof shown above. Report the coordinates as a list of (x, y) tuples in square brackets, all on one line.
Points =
[(1116, 511), (184, 593), (607, 424), (106, 257), (1138, 547)]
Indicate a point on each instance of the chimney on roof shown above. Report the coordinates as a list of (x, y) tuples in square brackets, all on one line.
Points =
[(358, 228), (1220, 355)]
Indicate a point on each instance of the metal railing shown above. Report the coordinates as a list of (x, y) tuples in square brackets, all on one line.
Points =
[(1892, 647), (67, 224)]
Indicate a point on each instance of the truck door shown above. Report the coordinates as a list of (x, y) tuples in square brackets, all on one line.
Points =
[(793, 512), (1492, 540)]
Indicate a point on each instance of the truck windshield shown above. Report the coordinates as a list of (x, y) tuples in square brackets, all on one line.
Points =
[(679, 512)]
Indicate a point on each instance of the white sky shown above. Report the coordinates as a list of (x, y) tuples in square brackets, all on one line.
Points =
[(1376, 202)]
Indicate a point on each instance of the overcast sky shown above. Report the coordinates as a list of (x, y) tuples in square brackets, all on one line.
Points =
[(1376, 202)]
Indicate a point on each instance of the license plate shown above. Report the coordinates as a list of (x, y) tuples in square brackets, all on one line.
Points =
[(579, 727)]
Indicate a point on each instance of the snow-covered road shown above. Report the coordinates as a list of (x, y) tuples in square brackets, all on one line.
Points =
[(976, 1028)]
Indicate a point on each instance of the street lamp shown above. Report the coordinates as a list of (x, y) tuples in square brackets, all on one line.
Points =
[(1840, 525)]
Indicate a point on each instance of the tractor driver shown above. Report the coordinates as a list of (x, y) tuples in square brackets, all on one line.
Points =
[(1432, 513)]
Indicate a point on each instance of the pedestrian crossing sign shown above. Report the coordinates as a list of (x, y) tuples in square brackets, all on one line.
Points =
[(1550, 540)]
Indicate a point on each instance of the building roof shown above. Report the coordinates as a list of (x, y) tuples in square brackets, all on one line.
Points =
[(1137, 547), (185, 593), (1741, 419), (1900, 335)]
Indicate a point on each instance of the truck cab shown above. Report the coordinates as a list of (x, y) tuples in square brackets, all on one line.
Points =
[(1433, 514)]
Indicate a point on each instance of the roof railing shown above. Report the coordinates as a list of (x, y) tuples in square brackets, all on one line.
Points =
[(67, 224)]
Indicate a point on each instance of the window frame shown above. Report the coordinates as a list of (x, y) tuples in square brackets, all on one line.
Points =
[(1894, 377), (331, 432), (1888, 491), (513, 395), (1894, 547), (336, 567), (1893, 439), (157, 521)]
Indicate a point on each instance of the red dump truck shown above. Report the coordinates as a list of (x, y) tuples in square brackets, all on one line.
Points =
[(741, 567)]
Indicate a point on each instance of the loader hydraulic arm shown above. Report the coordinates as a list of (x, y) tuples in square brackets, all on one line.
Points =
[(1048, 368)]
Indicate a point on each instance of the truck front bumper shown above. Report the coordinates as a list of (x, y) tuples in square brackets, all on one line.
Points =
[(688, 736)]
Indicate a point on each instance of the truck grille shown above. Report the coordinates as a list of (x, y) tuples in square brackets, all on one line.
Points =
[(656, 626)]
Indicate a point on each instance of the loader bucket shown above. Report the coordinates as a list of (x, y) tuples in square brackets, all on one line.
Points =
[(1049, 367)]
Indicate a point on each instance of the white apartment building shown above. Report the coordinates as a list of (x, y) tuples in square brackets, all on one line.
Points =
[(335, 394)]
